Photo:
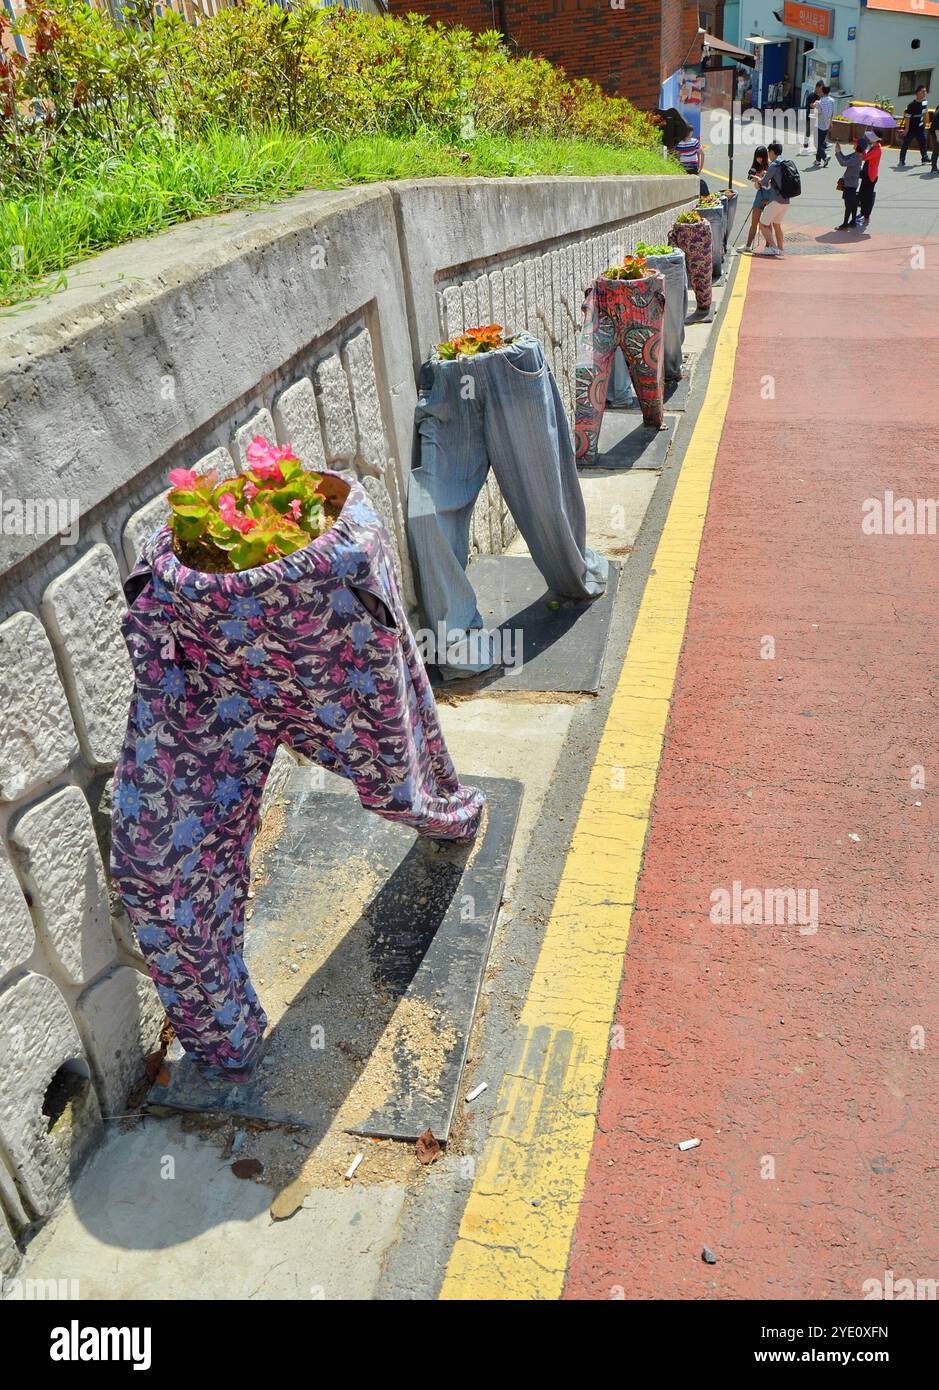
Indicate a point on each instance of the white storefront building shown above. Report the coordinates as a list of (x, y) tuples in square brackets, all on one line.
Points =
[(864, 49)]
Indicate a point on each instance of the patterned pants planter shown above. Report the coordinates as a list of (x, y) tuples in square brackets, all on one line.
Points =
[(675, 273), (313, 651), (626, 314), (694, 238), (715, 216)]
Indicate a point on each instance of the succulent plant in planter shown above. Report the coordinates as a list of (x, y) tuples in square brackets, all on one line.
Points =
[(630, 268), (689, 217), (270, 510), (710, 200), (473, 341)]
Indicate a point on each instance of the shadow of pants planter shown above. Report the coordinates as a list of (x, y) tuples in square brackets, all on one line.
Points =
[(715, 218), (312, 651), (503, 410), (625, 314), (674, 272), (694, 238)]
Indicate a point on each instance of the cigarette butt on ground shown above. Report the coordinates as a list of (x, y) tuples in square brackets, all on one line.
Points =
[(476, 1091), (350, 1171), (689, 1144)]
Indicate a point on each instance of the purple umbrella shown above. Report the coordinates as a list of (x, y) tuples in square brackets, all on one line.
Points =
[(868, 115)]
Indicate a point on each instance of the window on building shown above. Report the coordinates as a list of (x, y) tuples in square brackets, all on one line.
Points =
[(909, 81)]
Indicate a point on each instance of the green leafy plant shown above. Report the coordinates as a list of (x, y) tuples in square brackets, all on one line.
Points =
[(644, 249), (689, 217), (270, 510), (710, 200)]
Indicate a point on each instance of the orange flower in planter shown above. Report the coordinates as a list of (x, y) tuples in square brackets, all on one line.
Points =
[(473, 341)]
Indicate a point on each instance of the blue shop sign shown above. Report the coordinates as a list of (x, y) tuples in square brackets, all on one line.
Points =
[(852, 31)]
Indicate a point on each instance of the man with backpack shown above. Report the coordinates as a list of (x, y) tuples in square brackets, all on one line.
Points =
[(783, 183)]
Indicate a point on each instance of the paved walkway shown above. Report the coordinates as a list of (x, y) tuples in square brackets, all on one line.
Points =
[(780, 747)]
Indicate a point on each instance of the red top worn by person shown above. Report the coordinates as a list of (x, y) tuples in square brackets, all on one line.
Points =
[(872, 160)]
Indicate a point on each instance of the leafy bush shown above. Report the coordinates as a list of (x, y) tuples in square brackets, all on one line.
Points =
[(316, 71)]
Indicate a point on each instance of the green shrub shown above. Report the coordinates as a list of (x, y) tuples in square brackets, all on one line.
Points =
[(316, 71)]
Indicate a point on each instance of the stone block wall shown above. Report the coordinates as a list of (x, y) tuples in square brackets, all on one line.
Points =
[(305, 323)]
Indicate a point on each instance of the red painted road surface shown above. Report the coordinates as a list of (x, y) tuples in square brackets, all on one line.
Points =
[(793, 1056)]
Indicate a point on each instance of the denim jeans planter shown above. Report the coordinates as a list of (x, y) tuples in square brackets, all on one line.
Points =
[(729, 205), (675, 273), (626, 314), (715, 216), (694, 238), (312, 651), (500, 409)]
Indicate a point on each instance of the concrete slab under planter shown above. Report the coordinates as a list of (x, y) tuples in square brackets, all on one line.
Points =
[(625, 443), (561, 649), (370, 1014)]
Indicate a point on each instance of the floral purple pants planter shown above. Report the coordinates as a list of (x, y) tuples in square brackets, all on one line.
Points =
[(313, 651), (694, 238), (625, 314)]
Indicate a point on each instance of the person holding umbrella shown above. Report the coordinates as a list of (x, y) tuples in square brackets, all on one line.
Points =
[(868, 186)]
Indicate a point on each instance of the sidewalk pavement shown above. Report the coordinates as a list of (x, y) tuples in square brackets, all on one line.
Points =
[(796, 1046)]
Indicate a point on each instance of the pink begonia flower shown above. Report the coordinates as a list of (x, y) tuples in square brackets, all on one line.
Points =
[(265, 458), (183, 478), (250, 490), (232, 516), (295, 509)]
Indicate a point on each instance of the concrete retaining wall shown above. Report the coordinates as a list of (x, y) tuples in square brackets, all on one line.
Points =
[(306, 323)]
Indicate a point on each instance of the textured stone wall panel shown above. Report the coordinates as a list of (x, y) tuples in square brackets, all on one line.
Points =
[(37, 736), (70, 898), (120, 1016), (297, 422), (17, 938), (38, 1037), (83, 609)]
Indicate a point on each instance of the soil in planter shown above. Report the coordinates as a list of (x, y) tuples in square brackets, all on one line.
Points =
[(200, 555)]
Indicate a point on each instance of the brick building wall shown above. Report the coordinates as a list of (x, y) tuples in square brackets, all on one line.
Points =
[(628, 50)]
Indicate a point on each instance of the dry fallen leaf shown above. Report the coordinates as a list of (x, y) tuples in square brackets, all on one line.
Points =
[(289, 1200), (153, 1063), (247, 1167), (428, 1150)]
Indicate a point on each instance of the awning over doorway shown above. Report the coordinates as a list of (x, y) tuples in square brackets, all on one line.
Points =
[(708, 41)]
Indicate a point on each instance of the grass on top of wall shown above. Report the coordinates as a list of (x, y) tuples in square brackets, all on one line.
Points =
[(161, 181)]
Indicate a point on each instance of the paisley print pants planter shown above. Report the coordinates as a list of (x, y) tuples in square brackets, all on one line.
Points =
[(675, 273), (694, 238), (313, 651), (626, 314)]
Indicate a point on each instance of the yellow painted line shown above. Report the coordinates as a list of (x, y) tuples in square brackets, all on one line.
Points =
[(715, 175), (539, 1144)]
